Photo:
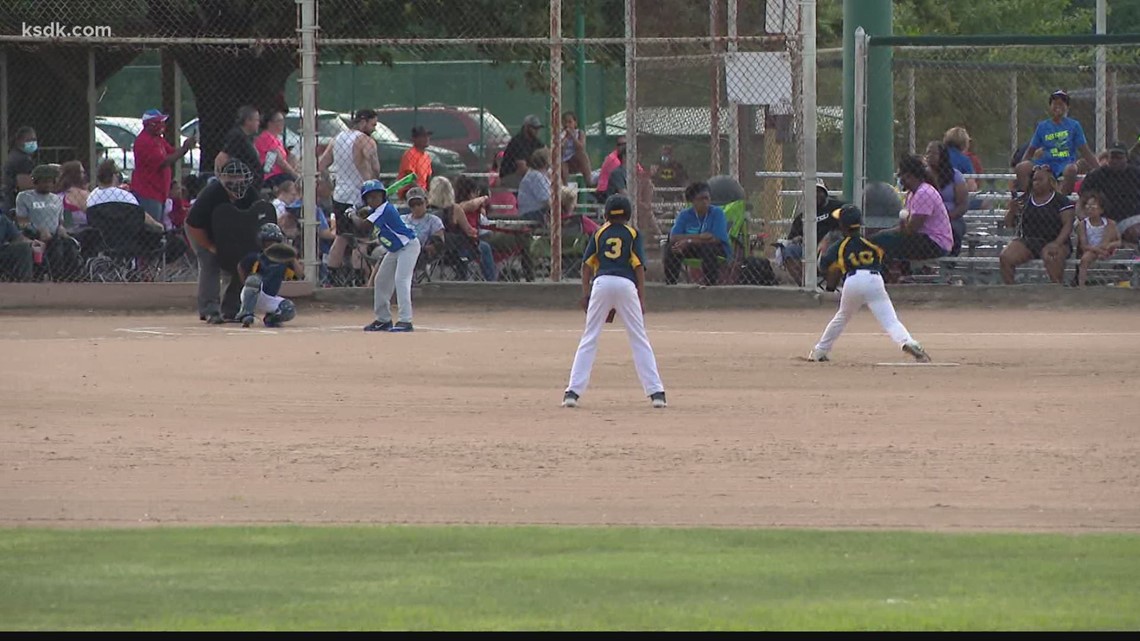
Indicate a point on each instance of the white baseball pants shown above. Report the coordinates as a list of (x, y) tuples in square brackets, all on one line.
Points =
[(859, 288), (615, 292)]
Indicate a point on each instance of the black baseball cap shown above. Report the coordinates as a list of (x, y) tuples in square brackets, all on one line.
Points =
[(1060, 93), (420, 130), (1118, 148)]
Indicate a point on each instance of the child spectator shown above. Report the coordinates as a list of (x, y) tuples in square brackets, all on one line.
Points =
[(1097, 237)]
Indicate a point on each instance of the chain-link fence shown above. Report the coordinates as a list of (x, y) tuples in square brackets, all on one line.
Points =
[(467, 101), (996, 149)]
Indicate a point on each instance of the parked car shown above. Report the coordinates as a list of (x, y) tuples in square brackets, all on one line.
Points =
[(473, 133), (122, 132)]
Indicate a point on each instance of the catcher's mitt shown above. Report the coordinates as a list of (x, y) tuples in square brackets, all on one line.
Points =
[(281, 253)]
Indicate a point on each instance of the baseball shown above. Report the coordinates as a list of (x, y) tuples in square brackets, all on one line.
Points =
[(903, 213)]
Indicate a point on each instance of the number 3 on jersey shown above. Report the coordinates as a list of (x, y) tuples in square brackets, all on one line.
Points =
[(614, 250), (864, 257)]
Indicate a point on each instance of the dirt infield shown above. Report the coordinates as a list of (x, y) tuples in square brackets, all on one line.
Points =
[(130, 420)]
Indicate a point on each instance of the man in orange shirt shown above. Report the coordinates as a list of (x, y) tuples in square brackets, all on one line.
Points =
[(416, 159)]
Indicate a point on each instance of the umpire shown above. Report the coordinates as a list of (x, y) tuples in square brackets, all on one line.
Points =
[(232, 186)]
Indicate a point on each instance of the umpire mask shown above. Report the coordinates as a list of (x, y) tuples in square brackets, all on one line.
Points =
[(236, 178)]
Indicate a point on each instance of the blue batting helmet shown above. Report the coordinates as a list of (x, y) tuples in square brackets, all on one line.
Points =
[(370, 186)]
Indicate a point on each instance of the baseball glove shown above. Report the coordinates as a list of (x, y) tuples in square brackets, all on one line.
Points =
[(281, 253)]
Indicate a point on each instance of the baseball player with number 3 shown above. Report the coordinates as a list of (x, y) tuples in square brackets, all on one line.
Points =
[(859, 263), (613, 283)]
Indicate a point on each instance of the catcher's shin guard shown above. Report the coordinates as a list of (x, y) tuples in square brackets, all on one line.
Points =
[(249, 293), (286, 311)]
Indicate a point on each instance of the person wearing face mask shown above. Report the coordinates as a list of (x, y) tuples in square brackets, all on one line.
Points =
[(670, 175), (17, 172), (154, 163), (234, 185)]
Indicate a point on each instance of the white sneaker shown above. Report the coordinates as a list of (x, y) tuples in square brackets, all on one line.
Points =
[(818, 356), (915, 349), (570, 399), (657, 399)]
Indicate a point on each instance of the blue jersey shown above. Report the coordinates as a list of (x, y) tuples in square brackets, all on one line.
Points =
[(615, 250), (272, 274), (390, 228), (1060, 142), (852, 254)]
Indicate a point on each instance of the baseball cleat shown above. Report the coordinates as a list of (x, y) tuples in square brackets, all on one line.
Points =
[(270, 320), (915, 349), (402, 327), (377, 326), (818, 356), (657, 399), (569, 399), (247, 321), (215, 319)]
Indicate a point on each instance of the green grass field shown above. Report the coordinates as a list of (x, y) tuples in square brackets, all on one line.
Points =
[(531, 578)]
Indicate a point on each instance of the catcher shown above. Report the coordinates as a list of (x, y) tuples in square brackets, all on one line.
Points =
[(262, 274)]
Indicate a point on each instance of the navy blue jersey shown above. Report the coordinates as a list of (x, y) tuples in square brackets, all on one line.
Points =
[(853, 253), (615, 250), (272, 274)]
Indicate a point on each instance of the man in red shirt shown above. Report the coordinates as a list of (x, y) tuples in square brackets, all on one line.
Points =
[(154, 160), (416, 159)]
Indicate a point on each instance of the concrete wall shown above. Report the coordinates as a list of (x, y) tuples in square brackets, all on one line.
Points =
[(182, 296)]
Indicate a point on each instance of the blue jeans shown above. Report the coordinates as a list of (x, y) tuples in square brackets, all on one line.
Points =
[(154, 208), (487, 261)]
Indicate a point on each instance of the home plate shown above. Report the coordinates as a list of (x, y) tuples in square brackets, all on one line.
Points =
[(913, 364)]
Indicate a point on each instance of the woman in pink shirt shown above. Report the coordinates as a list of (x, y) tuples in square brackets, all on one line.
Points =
[(271, 151), (924, 226)]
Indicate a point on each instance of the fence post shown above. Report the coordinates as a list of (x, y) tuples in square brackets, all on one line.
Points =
[(309, 137), (912, 128), (555, 140), (1101, 78), (92, 103), (631, 177), (808, 137), (733, 108), (1113, 107), (860, 124), (714, 103)]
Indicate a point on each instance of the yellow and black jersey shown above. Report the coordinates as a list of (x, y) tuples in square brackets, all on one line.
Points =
[(852, 254), (615, 250)]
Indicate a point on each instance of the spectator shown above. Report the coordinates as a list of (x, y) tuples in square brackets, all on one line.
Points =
[(924, 229), (826, 232), (1062, 138), (957, 143), (575, 160), (519, 150), (701, 231), (234, 185), (238, 145), (1044, 223), (461, 238), (1097, 237), (951, 185), (353, 158), (670, 174), (284, 195), (416, 160), (39, 212), (1101, 161), (617, 182), (428, 227), (191, 187), (108, 188), (610, 163), (496, 164), (17, 171), (534, 188), (72, 186), (1119, 182), (176, 207), (16, 253), (154, 162), (271, 151)]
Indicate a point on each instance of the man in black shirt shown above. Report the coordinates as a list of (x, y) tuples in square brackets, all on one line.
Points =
[(233, 185), (238, 145), (1119, 181), (17, 172), (826, 232), (518, 150)]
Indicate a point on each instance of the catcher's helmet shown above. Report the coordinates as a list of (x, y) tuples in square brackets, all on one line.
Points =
[(370, 186), (618, 205), (270, 233), (848, 216)]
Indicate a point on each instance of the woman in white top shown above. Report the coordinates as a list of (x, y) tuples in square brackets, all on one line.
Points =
[(1097, 236)]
